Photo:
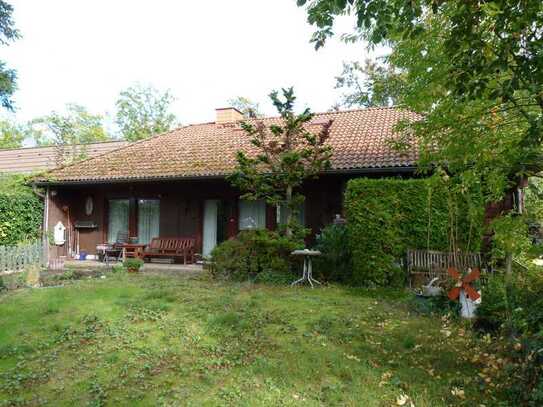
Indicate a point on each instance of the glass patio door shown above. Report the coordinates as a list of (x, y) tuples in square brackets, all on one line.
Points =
[(211, 211), (117, 219), (148, 220)]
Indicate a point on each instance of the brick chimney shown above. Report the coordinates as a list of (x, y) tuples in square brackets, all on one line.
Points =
[(228, 115)]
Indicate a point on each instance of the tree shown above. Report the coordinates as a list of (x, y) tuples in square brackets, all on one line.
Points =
[(69, 132), (369, 85), (143, 111), (8, 77), (287, 154), (472, 69), (246, 106), (12, 134)]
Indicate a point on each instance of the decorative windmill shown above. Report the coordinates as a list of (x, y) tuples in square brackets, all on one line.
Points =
[(464, 290)]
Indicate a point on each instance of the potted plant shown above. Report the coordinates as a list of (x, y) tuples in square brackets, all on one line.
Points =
[(133, 265)]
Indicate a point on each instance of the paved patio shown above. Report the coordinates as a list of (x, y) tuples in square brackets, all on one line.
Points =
[(189, 269)]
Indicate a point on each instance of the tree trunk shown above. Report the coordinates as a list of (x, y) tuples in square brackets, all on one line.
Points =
[(289, 211), (509, 264)]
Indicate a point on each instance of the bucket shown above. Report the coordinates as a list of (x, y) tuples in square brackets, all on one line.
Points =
[(82, 255)]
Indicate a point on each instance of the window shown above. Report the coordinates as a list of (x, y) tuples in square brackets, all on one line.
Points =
[(117, 219), (252, 215), (148, 220), (282, 214)]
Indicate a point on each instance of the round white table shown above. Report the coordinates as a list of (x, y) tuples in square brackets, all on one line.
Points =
[(308, 268)]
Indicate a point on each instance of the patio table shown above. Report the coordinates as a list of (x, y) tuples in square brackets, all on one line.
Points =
[(308, 267), (134, 250)]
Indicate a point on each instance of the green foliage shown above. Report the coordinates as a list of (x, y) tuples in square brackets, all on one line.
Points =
[(143, 111), (336, 261), (512, 306), (21, 211), (510, 236), (385, 217), (287, 154), (8, 77), (253, 253), (368, 85), (12, 134), (246, 106), (133, 264), (472, 69), (69, 132)]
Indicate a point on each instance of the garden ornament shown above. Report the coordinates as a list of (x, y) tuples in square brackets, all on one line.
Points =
[(469, 297), (431, 290)]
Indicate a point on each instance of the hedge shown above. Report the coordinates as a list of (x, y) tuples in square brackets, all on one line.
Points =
[(21, 212), (387, 216)]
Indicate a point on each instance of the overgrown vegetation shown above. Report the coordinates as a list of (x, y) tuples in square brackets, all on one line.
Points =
[(21, 211), (512, 308), (261, 254), (135, 339), (336, 260), (385, 217)]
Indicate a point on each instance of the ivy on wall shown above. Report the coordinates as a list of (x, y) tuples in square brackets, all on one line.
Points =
[(21, 211), (385, 217)]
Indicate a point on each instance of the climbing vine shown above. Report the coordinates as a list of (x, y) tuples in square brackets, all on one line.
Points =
[(21, 211), (387, 216)]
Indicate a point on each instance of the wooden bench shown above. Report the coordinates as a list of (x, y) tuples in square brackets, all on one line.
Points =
[(171, 247), (427, 264)]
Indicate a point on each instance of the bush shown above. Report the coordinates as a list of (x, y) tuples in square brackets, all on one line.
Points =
[(336, 263), (385, 217), (512, 307), (253, 253), (21, 211), (133, 264)]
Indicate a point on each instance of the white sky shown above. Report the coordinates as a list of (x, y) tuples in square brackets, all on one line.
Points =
[(206, 52)]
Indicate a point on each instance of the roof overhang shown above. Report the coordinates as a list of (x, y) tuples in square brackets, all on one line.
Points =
[(129, 180)]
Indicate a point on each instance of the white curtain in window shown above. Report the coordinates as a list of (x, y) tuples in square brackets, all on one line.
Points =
[(148, 220), (210, 226), (118, 219), (252, 214)]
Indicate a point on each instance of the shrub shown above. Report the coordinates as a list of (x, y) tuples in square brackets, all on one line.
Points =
[(336, 263), (385, 217), (21, 211), (132, 264), (252, 253), (513, 308)]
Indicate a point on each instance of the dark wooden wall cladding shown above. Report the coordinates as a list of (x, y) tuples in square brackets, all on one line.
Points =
[(181, 206)]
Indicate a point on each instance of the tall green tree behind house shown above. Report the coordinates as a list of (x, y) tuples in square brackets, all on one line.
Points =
[(473, 69), (143, 111), (369, 84), (8, 76), (246, 106), (12, 134), (69, 132), (287, 154)]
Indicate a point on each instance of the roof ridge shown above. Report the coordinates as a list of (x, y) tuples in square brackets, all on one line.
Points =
[(52, 145)]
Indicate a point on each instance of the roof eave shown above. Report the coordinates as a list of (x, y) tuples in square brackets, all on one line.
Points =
[(125, 180)]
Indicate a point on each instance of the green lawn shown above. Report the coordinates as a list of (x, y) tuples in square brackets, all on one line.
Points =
[(149, 340)]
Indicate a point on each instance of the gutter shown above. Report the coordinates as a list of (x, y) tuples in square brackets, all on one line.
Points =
[(353, 171)]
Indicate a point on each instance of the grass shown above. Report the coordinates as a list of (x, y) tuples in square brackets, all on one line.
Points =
[(151, 340)]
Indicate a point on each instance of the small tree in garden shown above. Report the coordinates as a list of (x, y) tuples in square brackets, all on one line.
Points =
[(287, 153)]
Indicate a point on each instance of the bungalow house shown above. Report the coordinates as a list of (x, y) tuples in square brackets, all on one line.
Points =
[(174, 184)]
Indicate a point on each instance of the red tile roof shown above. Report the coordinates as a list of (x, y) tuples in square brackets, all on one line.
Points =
[(358, 139), (33, 159)]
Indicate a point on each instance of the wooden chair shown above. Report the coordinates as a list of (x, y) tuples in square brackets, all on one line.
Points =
[(171, 247)]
